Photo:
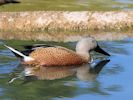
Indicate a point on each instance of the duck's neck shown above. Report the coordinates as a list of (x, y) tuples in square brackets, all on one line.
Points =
[(85, 55)]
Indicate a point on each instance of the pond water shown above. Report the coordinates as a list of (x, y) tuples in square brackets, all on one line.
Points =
[(69, 5), (114, 81)]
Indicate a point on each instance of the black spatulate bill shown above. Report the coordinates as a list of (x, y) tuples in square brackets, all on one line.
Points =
[(100, 50)]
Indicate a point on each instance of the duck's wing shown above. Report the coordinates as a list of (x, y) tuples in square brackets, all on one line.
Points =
[(35, 46), (56, 56), (31, 48), (27, 52)]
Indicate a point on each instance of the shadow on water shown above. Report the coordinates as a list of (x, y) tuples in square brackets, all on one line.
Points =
[(113, 81)]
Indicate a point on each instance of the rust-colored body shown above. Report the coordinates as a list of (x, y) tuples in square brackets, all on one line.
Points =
[(56, 56)]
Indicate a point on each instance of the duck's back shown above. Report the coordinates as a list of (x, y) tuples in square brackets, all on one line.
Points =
[(56, 56)]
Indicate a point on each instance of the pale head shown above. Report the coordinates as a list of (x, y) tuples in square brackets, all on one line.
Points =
[(85, 45), (83, 73)]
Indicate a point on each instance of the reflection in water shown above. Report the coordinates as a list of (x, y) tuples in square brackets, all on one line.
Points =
[(87, 73), (84, 72)]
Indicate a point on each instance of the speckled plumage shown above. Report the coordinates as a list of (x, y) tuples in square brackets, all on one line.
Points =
[(56, 56)]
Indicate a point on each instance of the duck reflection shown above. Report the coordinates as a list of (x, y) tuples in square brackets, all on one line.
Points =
[(89, 72), (86, 72)]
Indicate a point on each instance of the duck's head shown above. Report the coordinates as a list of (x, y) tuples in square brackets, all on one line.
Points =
[(87, 44)]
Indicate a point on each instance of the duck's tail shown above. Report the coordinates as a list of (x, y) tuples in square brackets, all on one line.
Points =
[(19, 54)]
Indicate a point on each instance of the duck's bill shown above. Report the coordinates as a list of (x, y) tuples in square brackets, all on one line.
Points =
[(100, 50)]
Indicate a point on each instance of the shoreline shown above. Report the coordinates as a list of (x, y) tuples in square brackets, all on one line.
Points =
[(66, 20), (66, 25)]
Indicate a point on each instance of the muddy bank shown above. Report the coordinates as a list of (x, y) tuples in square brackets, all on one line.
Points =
[(65, 37), (39, 21)]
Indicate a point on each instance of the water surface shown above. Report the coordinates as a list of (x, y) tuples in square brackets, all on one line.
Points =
[(113, 82)]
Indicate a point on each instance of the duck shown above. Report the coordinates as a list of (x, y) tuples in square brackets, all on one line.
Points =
[(8, 1), (44, 55)]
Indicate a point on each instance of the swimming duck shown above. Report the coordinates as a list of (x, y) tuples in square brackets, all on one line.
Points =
[(8, 1), (60, 56)]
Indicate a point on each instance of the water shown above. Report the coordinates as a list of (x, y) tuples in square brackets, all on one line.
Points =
[(69, 5), (113, 82)]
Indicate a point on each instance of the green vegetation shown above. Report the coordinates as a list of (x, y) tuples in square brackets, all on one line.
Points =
[(70, 5)]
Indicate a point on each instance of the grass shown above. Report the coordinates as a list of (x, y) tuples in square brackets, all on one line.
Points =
[(69, 5)]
